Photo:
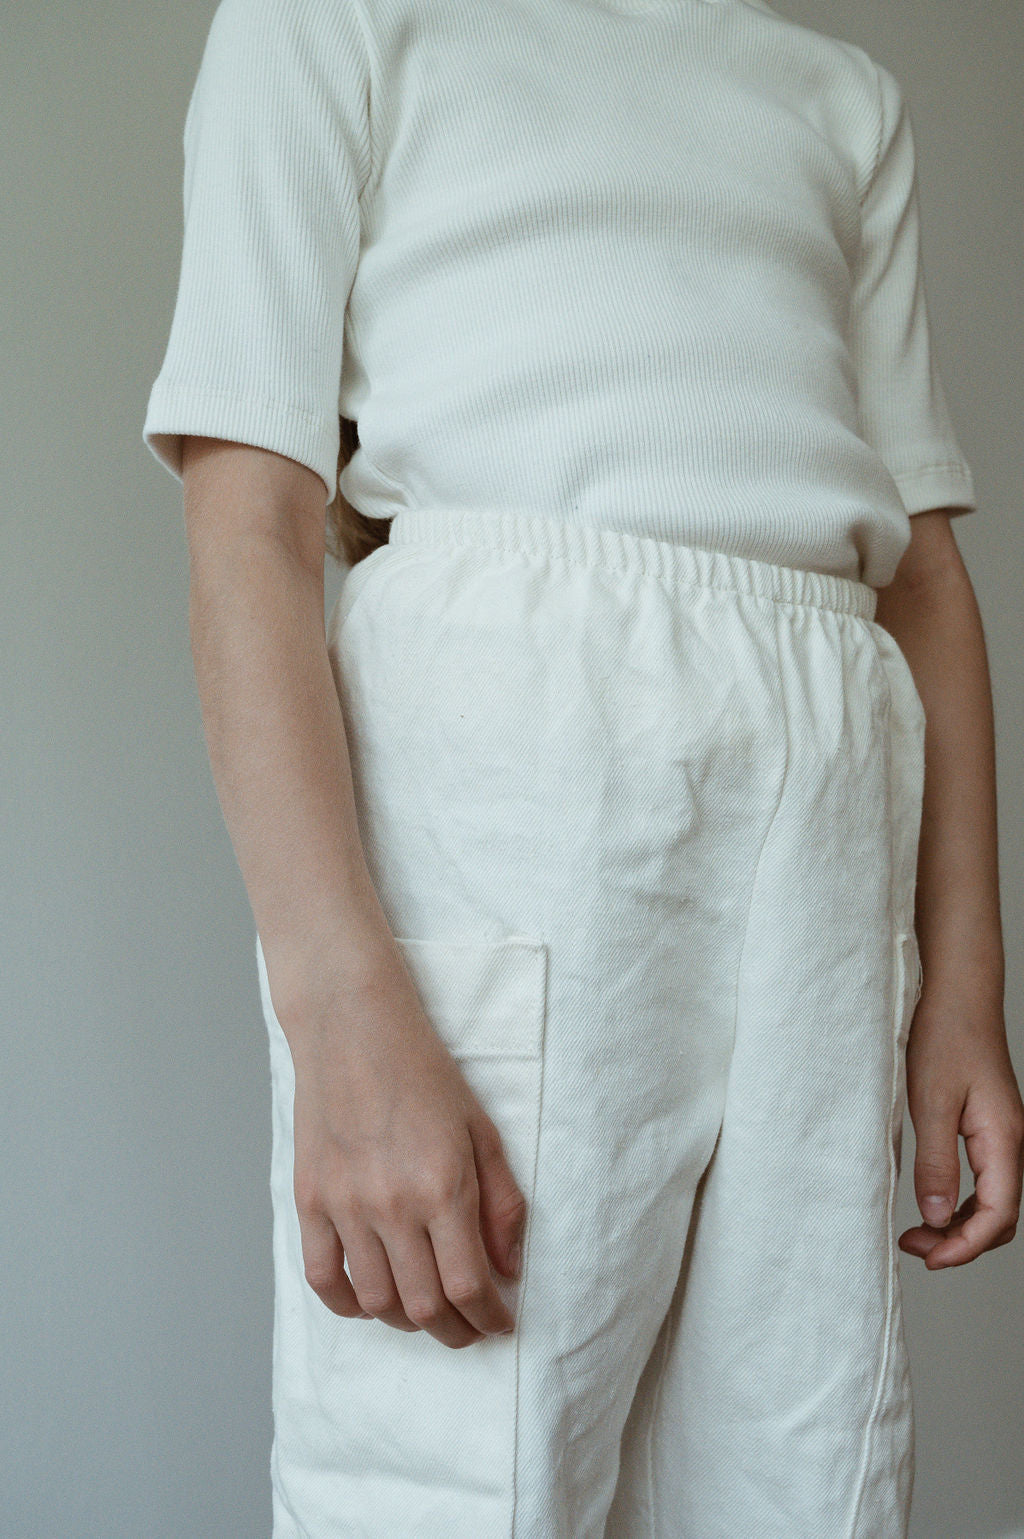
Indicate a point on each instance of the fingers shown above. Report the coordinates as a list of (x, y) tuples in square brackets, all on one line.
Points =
[(325, 1263), (371, 1291), (937, 1164), (462, 1262), (924, 1239), (372, 1277), (409, 1274), (989, 1216), (502, 1204), (446, 1309)]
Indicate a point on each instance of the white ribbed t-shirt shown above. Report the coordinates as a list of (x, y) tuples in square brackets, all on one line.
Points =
[(648, 264)]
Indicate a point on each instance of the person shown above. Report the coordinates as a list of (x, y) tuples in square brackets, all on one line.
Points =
[(606, 921)]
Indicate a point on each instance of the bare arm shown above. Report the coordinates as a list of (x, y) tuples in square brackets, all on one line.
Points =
[(398, 1168), (960, 1078), (273, 723)]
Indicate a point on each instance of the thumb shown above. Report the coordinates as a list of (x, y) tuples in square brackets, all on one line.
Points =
[(937, 1168), (502, 1204)]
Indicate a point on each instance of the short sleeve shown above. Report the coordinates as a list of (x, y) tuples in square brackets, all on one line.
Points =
[(904, 414), (277, 151)]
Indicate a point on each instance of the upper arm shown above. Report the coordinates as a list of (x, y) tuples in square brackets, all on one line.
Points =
[(903, 410), (276, 155)]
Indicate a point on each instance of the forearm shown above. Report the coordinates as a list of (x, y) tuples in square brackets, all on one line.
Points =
[(935, 620), (280, 761)]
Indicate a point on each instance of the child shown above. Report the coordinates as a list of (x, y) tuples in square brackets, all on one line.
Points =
[(590, 851)]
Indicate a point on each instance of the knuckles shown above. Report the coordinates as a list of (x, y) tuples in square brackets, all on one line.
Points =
[(384, 1198), (379, 1304), (466, 1291), (321, 1279), (426, 1312)]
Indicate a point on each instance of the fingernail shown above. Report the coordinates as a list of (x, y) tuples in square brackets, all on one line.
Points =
[(936, 1210), (515, 1257)]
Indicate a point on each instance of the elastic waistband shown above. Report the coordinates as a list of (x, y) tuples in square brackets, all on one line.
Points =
[(621, 551)]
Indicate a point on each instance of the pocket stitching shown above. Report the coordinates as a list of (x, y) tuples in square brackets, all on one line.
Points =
[(485, 998)]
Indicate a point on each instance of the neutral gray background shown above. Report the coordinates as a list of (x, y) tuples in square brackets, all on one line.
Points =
[(137, 1287)]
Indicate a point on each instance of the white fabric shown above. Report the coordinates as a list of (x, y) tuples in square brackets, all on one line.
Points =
[(644, 819), (654, 266)]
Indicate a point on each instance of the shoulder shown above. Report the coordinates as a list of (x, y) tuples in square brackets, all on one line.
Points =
[(289, 24), (277, 70), (857, 101), (282, 50)]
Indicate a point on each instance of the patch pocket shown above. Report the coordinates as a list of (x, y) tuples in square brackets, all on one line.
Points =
[(907, 988), (487, 1002), (358, 1399), (486, 999)]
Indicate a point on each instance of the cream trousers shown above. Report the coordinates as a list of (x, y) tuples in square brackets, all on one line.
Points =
[(644, 818)]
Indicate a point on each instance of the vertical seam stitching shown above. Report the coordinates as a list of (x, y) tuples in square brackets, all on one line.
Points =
[(895, 967), (652, 1422), (528, 1240)]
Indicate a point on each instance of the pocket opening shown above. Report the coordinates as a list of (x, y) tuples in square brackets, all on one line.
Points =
[(352, 590)]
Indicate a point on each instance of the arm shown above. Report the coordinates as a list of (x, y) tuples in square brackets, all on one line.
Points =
[(272, 718), (960, 1079), (397, 1165)]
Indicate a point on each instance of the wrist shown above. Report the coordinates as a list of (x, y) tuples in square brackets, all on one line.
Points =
[(962, 965), (311, 975)]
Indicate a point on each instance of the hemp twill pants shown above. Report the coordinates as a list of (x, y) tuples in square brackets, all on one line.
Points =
[(644, 819)]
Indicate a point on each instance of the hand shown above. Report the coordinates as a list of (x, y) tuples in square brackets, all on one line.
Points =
[(398, 1168), (960, 1081)]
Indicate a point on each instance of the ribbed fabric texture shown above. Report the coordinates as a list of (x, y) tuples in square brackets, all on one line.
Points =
[(650, 265)]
